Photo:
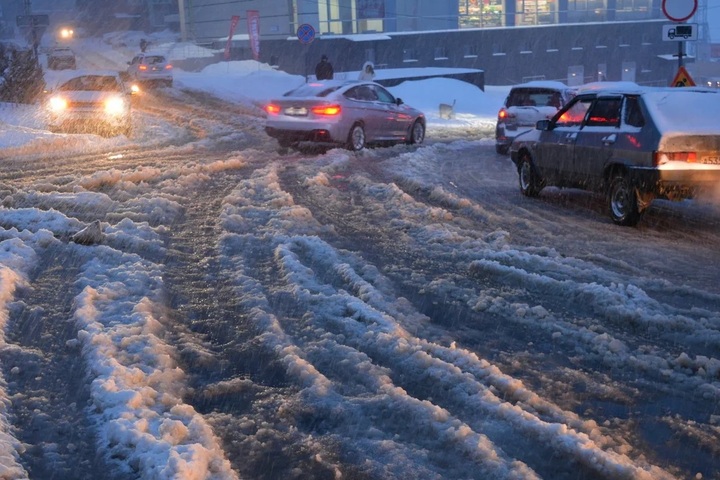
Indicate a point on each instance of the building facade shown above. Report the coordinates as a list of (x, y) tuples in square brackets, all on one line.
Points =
[(512, 41), (208, 18)]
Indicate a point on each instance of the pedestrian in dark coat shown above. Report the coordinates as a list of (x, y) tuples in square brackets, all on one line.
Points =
[(324, 69)]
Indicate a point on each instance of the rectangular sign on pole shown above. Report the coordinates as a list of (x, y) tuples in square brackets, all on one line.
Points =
[(233, 23), (680, 31), (253, 19)]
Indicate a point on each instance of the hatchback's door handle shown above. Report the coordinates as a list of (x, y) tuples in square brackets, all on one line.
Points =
[(610, 139)]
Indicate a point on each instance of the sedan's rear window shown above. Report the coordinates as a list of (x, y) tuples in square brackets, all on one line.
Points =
[(312, 90)]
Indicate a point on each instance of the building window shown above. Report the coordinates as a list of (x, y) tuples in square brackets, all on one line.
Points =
[(498, 49), (552, 45), (536, 12), (410, 55), (633, 9), (470, 51), (587, 11), (480, 13), (526, 47), (441, 53)]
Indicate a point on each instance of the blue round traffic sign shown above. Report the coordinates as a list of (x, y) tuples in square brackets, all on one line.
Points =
[(306, 33)]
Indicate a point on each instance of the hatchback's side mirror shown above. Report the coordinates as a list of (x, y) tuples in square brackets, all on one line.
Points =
[(543, 125), (398, 101)]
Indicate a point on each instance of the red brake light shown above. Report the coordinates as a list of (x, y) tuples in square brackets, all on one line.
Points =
[(272, 109), (502, 114), (168, 67), (660, 158), (327, 110), (142, 67)]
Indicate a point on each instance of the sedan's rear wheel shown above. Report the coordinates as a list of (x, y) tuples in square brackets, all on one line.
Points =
[(417, 133), (356, 139), (623, 202), (530, 183)]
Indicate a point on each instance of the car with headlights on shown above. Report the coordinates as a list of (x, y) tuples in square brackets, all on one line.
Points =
[(352, 114), (524, 105), (90, 101), (632, 143)]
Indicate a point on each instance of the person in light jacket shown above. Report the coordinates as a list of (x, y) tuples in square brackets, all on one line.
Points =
[(367, 72)]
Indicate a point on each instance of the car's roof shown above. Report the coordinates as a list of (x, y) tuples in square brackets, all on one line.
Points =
[(550, 84), (633, 88)]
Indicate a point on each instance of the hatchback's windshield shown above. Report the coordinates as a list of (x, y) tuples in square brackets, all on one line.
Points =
[(535, 97), (154, 60)]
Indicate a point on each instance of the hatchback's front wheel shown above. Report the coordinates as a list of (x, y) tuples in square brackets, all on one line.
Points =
[(356, 139), (530, 183), (623, 202)]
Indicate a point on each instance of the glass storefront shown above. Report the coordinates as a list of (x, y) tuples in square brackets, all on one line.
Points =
[(492, 13), (481, 13), (536, 12)]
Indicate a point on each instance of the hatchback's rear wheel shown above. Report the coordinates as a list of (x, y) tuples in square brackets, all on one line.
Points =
[(417, 133), (530, 183), (623, 202), (356, 139)]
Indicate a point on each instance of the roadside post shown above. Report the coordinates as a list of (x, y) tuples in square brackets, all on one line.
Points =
[(306, 35), (679, 11)]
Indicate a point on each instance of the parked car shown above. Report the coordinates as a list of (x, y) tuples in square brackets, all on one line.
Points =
[(632, 143), (90, 101), (60, 58), (150, 69), (349, 113), (525, 105)]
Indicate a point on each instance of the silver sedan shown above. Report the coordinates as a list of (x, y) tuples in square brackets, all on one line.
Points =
[(352, 114)]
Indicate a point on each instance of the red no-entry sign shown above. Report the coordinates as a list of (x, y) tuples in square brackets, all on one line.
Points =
[(679, 10)]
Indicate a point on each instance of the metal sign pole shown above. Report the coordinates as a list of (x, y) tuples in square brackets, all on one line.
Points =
[(680, 54)]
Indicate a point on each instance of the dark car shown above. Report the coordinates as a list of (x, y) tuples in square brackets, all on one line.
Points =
[(525, 104), (632, 143), (347, 113), (60, 58)]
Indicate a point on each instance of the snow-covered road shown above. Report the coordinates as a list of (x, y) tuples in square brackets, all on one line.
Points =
[(394, 313)]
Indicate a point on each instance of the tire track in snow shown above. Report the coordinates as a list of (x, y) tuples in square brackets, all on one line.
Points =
[(604, 346), (48, 390)]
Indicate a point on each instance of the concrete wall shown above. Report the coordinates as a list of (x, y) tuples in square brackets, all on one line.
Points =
[(507, 55)]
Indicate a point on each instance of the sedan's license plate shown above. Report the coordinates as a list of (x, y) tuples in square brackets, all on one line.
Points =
[(711, 160), (297, 111)]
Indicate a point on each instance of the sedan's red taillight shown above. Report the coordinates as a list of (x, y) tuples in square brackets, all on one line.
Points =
[(168, 67), (329, 110), (272, 109), (660, 158)]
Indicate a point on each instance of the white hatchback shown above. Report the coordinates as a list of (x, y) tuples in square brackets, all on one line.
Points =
[(150, 68)]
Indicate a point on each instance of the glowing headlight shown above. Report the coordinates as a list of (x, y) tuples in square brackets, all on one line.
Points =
[(58, 104), (115, 105)]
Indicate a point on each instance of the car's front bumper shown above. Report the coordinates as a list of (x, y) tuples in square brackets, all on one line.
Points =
[(88, 120)]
